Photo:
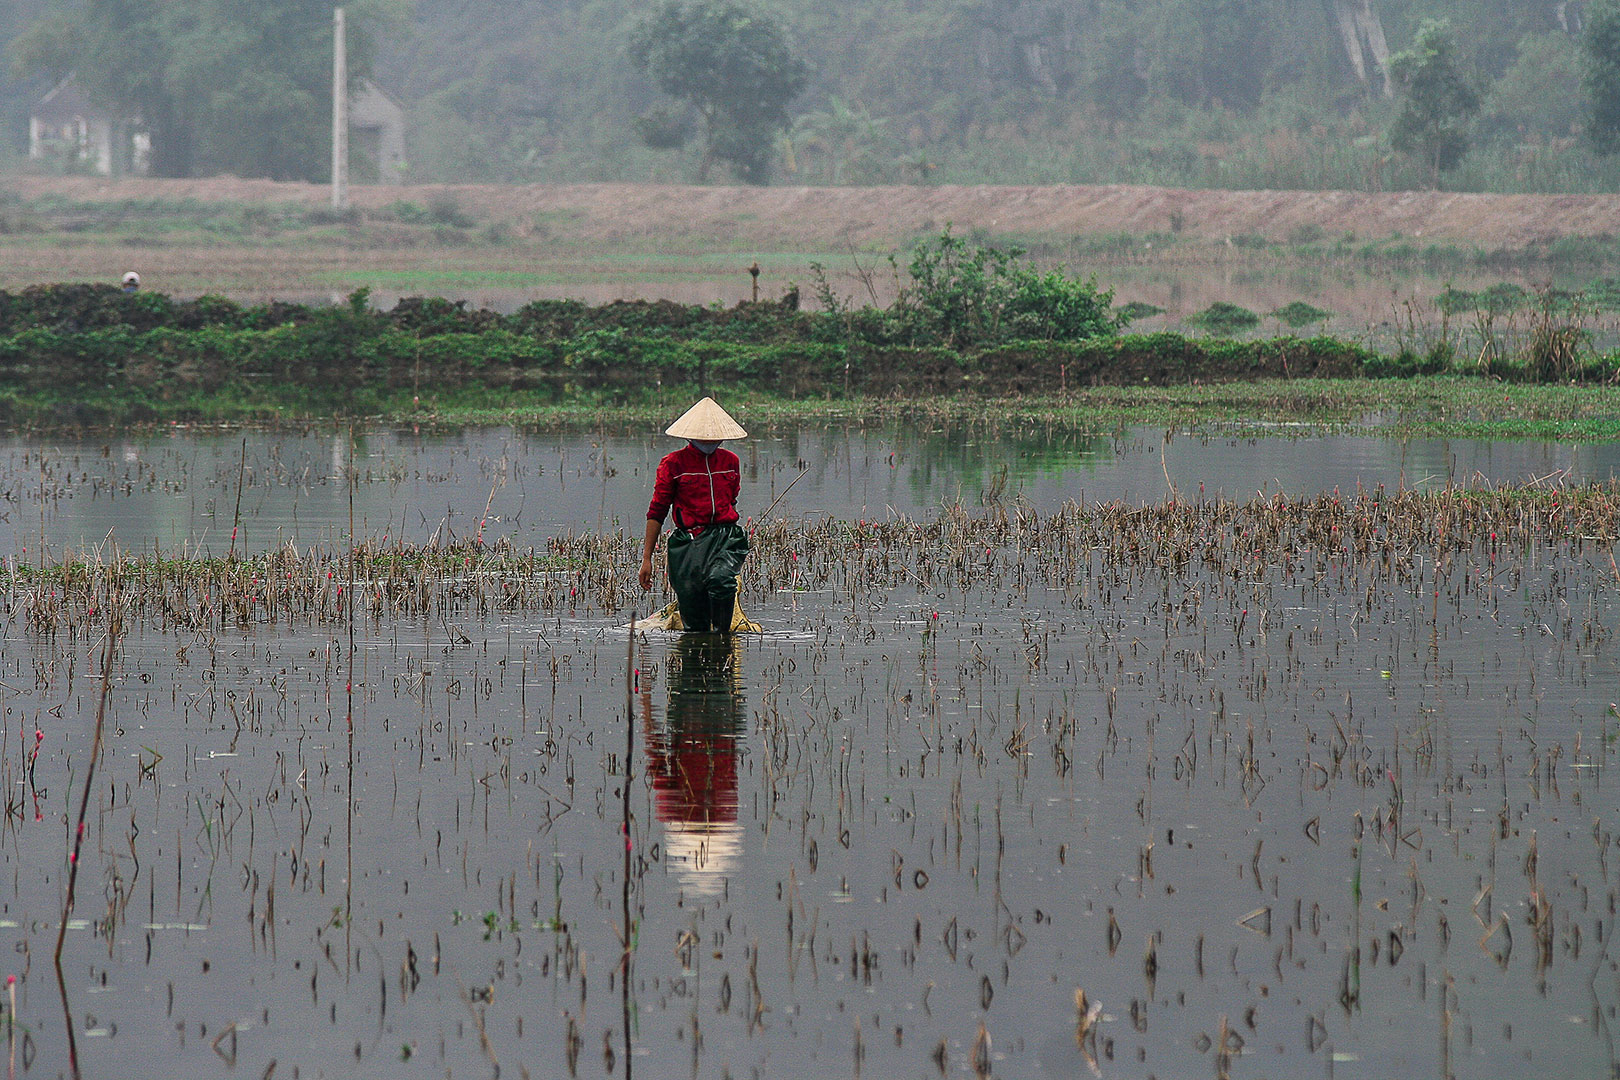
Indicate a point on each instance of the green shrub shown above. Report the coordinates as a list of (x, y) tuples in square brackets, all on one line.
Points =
[(1224, 318), (1299, 313), (1498, 299), (79, 353), (405, 212), (1604, 293), (965, 294), (1579, 249), (1137, 310)]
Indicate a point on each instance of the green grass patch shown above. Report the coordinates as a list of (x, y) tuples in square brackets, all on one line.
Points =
[(456, 277)]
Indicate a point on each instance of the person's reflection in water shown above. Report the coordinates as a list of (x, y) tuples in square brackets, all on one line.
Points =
[(693, 760)]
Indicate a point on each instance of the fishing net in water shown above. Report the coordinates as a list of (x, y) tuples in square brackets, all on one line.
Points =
[(669, 618)]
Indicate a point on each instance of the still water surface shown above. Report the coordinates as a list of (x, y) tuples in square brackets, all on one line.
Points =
[(180, 492), (1326, 819)]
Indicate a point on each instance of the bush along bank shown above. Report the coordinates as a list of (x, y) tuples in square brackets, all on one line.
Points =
[(967, 319), (353, 360), (342, 358)]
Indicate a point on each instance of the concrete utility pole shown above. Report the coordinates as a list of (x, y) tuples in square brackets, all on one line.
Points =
[(340, 114)]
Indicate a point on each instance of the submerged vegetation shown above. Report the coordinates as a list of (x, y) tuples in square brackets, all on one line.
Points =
[(1354, 531)]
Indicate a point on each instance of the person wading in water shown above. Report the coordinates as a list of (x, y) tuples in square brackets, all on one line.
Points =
[(699, 482)]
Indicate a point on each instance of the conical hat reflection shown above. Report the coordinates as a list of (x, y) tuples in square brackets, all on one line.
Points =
[(702, 856), (693, 760)]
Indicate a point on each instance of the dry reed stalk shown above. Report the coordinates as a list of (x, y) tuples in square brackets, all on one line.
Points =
[(89, 779)]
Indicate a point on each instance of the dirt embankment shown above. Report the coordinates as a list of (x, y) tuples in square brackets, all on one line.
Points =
[(889, 215)]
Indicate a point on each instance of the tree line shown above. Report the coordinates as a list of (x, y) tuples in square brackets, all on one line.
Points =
[(1345, 93), (221, 86)]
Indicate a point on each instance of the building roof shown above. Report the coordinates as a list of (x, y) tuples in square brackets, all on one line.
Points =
[(65, 101), (372, 106)]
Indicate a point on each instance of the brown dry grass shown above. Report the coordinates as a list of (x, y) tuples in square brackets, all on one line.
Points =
[(599, 242), (804, 216)]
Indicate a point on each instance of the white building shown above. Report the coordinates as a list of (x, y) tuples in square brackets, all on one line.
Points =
[(67, 127), (376, 135)]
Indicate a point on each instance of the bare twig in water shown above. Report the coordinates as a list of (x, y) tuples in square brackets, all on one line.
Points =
[(779, 498), (89, 778), (629, 759)]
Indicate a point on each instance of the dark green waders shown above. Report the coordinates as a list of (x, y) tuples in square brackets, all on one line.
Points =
[(703, 571)]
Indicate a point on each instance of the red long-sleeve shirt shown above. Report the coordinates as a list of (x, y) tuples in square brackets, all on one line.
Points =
[(702, 488)]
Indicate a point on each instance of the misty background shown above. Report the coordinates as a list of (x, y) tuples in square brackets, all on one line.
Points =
[(1197, 93)]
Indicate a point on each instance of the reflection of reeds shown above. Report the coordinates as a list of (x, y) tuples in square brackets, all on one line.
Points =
[(110, 645), (1086, 1015), (981, 1052)]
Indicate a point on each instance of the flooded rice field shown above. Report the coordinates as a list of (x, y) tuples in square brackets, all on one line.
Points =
[(1044, 772)]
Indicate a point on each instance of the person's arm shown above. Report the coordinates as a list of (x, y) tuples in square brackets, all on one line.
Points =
[(734, 486), (647, 546), (663, 496)]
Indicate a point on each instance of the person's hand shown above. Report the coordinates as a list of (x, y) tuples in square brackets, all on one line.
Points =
[(645, 576)]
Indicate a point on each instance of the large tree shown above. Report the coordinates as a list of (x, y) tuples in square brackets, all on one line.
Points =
[(1600, 74), (730, 63), (237, 86), (1437, 101)]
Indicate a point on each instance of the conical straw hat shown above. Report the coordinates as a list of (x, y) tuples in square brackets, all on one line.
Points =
[(706, 421)]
